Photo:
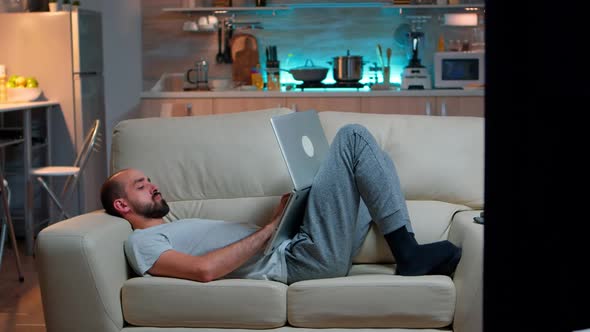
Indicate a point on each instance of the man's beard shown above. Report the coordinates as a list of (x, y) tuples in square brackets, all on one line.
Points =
[(155, 210)]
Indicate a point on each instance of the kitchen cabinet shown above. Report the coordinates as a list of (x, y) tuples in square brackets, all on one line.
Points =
[(170, 107), (416, 103), (398, 105), (459, 106), (340, 104), (437, 106), (234, 105)]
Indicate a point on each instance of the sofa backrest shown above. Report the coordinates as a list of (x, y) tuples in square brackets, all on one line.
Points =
[(230, 167), (438, 158)]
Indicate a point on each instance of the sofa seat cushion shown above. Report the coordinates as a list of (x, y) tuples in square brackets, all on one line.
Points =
[(229, 303), (372, 297)]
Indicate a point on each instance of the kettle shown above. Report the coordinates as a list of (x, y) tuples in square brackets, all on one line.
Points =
[(201, 71)]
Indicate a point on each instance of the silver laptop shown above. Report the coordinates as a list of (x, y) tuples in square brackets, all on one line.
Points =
[(304, 146)]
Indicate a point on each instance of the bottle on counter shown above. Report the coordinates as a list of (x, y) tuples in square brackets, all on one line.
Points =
[(454, 45), (465, 46), (273, 76), (441, 44), (257, 79), (3, 97)]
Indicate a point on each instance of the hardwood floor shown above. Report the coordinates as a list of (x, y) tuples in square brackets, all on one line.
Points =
[(21, 309)]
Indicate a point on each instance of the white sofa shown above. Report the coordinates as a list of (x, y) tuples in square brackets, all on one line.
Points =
[(229, 167)]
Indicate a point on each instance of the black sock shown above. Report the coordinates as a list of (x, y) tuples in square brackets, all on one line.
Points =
[(414, 259)]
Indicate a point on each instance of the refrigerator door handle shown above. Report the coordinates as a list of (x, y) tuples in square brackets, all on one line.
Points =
[(87, 73)]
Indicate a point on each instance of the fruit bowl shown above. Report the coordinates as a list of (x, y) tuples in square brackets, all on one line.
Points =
[(22, 94)]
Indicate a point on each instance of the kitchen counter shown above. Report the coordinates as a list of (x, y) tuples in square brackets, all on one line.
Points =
[(168, 98), (26, 138), (16, 106), (311, 93)]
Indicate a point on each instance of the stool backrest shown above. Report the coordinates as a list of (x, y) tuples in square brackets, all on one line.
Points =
[(83, 156)]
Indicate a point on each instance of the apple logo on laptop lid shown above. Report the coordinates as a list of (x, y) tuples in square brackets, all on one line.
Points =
[(307, 146)]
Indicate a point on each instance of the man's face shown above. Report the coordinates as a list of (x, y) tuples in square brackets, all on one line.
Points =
[(143, 197)]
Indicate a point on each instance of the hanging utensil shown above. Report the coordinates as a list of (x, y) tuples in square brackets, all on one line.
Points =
[(380, 55), (226, 41), (388, 56), (219, 56), (228, 36)]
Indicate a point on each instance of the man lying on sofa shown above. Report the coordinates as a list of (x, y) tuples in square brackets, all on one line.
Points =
[(335, 224)]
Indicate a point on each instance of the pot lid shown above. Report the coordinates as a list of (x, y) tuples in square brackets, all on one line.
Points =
[(349, 56), (309, 66)]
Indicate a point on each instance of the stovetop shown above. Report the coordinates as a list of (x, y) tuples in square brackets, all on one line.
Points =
[(338, 85)]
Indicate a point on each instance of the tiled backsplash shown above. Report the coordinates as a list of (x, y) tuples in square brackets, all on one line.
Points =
[(319, 34)]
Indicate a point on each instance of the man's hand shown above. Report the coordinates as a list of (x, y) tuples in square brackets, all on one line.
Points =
[(278, 212)]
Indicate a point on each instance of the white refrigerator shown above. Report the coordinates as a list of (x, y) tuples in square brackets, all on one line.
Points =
[(64, 51)]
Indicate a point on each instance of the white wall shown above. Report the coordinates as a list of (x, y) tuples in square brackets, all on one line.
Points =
[(121, 26)]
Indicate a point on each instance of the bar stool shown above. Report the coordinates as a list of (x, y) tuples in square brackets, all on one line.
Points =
[(7, 221), (71, 173)]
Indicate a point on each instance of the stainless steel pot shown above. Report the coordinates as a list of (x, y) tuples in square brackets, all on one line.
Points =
[(348, 68)]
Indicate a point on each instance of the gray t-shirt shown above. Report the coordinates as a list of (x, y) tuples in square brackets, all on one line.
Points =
[(197, 237)]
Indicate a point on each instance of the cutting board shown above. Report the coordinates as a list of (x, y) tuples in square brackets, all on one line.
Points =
[(245, 56)]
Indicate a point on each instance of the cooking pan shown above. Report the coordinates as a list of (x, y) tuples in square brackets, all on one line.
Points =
[(309, 72)]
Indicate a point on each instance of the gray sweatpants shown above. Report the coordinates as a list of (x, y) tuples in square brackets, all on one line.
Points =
[(357, 183)]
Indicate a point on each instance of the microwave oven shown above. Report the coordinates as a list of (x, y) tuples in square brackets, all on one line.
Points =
[(459, 69)]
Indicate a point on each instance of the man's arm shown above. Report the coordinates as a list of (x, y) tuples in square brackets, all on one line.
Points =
[(218, 263)]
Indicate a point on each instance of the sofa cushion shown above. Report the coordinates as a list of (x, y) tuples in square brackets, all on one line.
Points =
[(379, 299), (230, 303), (437, 157)]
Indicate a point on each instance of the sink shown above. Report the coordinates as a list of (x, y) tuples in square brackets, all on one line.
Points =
[(172, 82), (175, 82)]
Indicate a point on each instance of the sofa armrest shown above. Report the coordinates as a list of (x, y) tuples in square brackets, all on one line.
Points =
[(81, 266), (469, 274)]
